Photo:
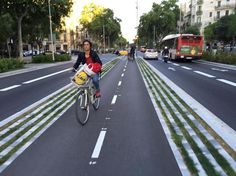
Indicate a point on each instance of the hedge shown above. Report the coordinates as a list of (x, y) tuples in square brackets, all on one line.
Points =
[(10, 64), (48, 58), (220, 57)]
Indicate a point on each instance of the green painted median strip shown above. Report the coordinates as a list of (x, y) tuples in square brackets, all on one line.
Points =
[(208, 167)]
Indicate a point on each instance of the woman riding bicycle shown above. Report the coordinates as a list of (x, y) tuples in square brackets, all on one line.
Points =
[(90, 57)]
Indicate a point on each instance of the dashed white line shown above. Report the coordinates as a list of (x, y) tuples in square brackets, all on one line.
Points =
[(217, 69), (122, 75), (9, 88), (227, 82), (124, 70), (187, 68), (98, 146), (114, 99), (204, 74), (175, 64), (170, 68), (119, 84), (46, 76)]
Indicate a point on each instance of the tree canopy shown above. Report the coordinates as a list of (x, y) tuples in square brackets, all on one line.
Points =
[(226, 24), (159, 22)]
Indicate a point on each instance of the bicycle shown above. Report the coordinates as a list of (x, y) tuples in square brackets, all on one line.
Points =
[(84, 98)]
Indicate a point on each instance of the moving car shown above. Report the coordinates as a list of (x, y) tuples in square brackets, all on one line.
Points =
[(150, 54)]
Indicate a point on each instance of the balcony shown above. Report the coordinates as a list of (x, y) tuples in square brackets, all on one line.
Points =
[(199, 2), (225, 7), (199, 12)]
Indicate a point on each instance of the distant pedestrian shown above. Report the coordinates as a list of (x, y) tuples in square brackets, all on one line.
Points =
[(214, 48)]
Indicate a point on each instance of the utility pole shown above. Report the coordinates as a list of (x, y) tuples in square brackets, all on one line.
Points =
[(137, 19), (180, 18), (154, 36), (104, 39), (50, 21)]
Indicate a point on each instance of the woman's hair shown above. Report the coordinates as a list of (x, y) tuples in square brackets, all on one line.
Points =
[(90, 43)]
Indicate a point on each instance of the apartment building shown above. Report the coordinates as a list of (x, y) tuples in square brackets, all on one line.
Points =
[(205, 12)]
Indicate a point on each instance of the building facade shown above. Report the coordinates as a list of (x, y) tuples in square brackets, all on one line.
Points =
[(206, 12)]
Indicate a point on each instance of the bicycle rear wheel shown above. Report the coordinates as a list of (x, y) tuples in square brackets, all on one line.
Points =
[(96, 103), (82, 107)]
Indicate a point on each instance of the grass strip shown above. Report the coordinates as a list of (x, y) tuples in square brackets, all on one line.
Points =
[(208, 167), (24, 141), (177, 139), (28, 112), (8, 143), (11, 130), (219, 158)]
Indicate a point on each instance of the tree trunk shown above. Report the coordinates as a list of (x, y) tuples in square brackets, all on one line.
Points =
[(20, 44)]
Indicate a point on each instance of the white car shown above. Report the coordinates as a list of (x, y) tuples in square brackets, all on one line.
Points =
[(150, 54)]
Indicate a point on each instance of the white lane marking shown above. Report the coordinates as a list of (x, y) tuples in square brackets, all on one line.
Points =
[(46, 76), (170, 68), (204, 74), (114, 99), (98, 146), (122, 75), (217, 69), (119, 84), (227, 82), (187, 68), (124, 69), (9, 88), (175, 64)]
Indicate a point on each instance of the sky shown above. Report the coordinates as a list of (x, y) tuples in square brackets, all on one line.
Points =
[(123, 9)]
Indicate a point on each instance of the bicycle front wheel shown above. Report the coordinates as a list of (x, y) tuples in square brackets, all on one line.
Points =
[(96, 102), (82, 107)]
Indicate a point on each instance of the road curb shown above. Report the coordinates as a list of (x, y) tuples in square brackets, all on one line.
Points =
[(226, 66)]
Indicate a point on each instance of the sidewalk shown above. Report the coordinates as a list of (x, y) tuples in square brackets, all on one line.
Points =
[(226, 66), (32, 67)]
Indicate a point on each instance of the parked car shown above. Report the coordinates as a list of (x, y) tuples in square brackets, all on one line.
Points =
[(150, 54)]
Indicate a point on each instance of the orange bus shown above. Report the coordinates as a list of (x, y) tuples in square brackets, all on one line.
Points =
[(184, 46)]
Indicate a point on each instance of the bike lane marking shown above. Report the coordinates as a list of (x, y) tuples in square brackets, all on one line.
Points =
[(114, 99), (99, 143), (119, 84)]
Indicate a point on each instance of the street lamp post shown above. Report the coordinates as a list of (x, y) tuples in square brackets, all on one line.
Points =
[(50, 21)]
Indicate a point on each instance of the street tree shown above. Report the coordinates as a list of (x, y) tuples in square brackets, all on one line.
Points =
[(192, 30), (159, 22), (35, 11)]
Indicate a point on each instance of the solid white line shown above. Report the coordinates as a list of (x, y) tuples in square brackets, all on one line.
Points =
[(122, 75), (187, 68), (227, 82), (119, 84), (114, 99), (9, 88), (98, 146), (204, 74), (46, 76)]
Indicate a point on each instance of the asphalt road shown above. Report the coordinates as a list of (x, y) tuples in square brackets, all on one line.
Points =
[(16, 99), (214, 87), (134, 141)]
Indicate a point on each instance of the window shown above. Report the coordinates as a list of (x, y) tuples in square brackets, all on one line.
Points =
[(199, 20), (227, 12), (209, 23), (210, 15), (218, 15), (219, 3)]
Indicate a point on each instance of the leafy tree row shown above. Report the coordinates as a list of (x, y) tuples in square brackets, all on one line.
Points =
[(29, 20), (95, 19), (159, 22), (222, 30)]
